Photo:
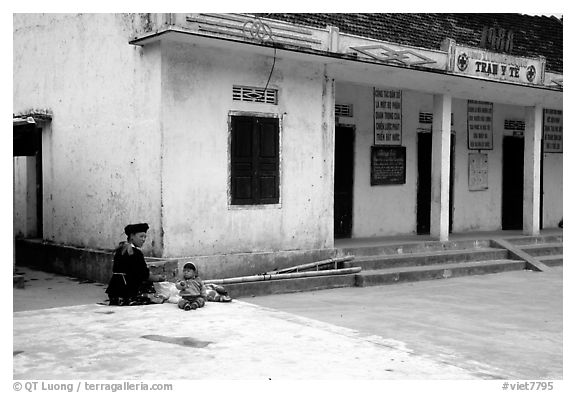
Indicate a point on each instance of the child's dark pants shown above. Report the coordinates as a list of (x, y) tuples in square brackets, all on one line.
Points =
[(191, 302)]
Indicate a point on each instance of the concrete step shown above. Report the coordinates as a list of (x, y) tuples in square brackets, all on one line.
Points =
[(420, 273), (19, 281), (542, 249), (427, 258), (269, 287), (525, 240), (551, 260), (413, 248)]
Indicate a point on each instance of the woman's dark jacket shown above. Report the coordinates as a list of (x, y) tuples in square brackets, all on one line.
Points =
[(129, 272)]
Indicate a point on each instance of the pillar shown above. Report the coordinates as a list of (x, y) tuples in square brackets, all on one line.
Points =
[(532, 158), (439, 209)]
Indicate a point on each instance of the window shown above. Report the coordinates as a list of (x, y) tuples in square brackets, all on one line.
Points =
[(254, 160)]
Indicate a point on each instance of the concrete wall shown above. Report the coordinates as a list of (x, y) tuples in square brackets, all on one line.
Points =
[(553, 190), (101, 152), (476, 210), (391, 210), (197, 99), (388, 209)]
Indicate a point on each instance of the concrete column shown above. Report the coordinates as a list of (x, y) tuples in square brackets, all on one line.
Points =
[(439, 213), (532, 148)]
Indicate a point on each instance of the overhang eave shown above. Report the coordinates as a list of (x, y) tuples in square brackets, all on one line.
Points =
[(352, 69)]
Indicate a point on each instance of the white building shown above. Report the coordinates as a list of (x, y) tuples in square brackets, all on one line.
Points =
[(249, 142)]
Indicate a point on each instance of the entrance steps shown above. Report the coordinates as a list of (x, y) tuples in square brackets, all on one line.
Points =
[(429, 260), (546, 249), (18, 281), (289, 285), (415, 261), (445, 270)]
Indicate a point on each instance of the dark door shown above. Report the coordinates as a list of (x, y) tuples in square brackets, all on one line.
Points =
[(512, 182), (39, 193), (343, 181), (424, 189)]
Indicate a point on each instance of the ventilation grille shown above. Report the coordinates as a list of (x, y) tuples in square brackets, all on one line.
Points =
[(343, 110), (426, 118), (255, 94), (516, 125)]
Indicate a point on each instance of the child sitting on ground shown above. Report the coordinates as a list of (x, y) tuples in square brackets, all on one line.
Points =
[(192, 289)]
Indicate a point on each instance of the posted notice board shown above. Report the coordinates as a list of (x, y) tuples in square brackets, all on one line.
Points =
[(388, 165), (387, 117), (552, 131), (477, 171), (480, 125)]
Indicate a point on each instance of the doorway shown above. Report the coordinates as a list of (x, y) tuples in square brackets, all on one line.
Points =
[(512, 182), (27, 145), (343, 181), (424, 189)]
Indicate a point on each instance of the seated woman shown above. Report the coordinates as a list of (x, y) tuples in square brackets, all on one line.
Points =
[(131, 282)]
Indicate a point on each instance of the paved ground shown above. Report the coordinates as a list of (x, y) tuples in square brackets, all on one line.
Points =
[(505, 326), (47, 290)]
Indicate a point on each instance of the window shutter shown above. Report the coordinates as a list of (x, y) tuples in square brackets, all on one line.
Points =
[(242, 167), (267, 160)]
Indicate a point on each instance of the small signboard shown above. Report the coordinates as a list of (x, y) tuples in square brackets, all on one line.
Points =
[(477, 171), (480, 125), (485, 64), (388, 165), (552, 131), (387, 117)]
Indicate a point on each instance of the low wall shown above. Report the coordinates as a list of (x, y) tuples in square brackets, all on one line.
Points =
[(248, 264), (96, 265), (84, 263)]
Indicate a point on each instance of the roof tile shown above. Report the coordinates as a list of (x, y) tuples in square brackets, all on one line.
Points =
[(533, 35)]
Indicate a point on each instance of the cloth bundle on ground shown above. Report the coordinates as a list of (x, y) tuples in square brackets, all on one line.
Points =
[(217, 293), (168, 290)]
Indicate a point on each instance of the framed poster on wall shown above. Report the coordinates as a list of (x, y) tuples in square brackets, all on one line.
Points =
[(387, 165), (552, 131), (387, 117), (480, 125)]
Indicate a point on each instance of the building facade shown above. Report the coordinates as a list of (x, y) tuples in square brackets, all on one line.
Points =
[(245, 140)]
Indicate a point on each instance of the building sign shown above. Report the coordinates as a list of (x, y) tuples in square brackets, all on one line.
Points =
[(497, 39), (497, 66), (552, 131), (388, 165), (387, 117), (477, 171), (479, 125)]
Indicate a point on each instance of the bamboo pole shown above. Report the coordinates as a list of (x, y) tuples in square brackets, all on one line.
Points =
[(270, 277), (316, 264)]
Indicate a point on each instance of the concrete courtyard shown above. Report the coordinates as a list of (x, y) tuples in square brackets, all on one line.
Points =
[(499, 326)]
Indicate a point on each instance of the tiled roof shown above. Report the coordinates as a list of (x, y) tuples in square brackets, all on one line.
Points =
[(533, 35)]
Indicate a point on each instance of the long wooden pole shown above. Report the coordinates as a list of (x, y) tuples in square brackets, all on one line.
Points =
[(316, 264), (269, 277)]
